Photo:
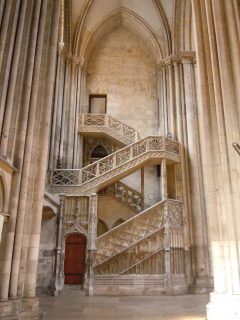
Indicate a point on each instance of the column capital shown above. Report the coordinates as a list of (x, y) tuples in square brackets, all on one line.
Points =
[(180, 57)]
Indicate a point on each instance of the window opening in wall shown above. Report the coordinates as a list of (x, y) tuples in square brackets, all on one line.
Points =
[(98, 153), (98, 103)]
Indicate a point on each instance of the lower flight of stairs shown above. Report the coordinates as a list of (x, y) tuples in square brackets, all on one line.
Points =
[(143, 255)]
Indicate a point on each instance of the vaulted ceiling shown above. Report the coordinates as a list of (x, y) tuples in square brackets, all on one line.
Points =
[(163, 25)]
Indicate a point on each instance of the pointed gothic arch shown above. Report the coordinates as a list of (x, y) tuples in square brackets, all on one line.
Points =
[(112, 21)]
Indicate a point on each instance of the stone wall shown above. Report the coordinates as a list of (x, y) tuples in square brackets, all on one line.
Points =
[(122, 68), (111, 210), (47, 252)]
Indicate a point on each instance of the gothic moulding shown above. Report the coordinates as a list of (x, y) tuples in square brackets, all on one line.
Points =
[(180, 57)]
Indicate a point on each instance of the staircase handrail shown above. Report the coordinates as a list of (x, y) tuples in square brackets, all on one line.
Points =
[(134, 244), (105, 120), (144, 259), (79, 176), (144, 212), (166, 219)]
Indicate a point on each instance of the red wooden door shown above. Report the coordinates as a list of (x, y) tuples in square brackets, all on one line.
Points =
[(74, 264)]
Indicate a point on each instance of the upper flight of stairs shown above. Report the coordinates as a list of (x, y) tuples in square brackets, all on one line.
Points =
[(114, 167), (105, 124)]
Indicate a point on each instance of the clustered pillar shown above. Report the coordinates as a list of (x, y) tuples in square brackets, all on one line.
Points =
[(29, 58), (218, 61)]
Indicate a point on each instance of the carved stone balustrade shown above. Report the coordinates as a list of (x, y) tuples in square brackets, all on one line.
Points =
[(115, 166), (125, 194), (142, 239), (103, 123)]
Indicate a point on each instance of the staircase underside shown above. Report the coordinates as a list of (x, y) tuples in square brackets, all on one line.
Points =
[(101, 132)]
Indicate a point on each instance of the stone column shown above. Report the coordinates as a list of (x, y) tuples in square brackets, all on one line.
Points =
[(178, 182), (77, 112), (182, 138), (4, 28), (71, 114), (2, 5), (11, 74), (172, 127), (60, 134), (8, 249), (22, 201), (58, 277), (56, 119), (221, 166), (179, 133), (160, 90), (164, 179), (92, 235), (35, 227), (84, 103), (199, 239), (167, 255)]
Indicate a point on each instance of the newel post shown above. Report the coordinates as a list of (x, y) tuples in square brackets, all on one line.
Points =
[(58, 276), (92, 235), (164, 191), (167, 253)]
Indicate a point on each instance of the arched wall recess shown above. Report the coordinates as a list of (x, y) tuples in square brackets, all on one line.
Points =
[(126, 18), (155, 16)]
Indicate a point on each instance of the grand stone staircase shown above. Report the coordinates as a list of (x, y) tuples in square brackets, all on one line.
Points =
[(145, 254)]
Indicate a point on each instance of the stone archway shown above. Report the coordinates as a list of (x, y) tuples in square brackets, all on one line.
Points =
[(74, 263)]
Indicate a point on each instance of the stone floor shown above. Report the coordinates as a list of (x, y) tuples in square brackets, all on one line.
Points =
[(73, 304)]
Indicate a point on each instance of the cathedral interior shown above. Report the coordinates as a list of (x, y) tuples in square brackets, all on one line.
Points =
[(119, 151)]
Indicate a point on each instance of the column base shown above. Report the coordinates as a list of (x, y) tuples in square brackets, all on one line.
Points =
[(89, 290), (223, 307), (57, 284), (201, 285), (21, 309)]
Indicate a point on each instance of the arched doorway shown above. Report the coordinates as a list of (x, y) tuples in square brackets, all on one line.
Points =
[(74, 263), (98, 153)]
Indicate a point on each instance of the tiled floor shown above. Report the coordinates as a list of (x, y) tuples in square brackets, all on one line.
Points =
[(73, 304)]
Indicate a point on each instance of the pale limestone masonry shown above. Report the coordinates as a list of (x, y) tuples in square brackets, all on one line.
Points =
[(153, 185)]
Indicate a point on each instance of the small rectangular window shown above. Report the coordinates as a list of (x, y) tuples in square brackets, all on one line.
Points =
[(98, 103)]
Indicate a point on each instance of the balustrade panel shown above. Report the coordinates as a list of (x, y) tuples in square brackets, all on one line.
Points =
[(138, 244)]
